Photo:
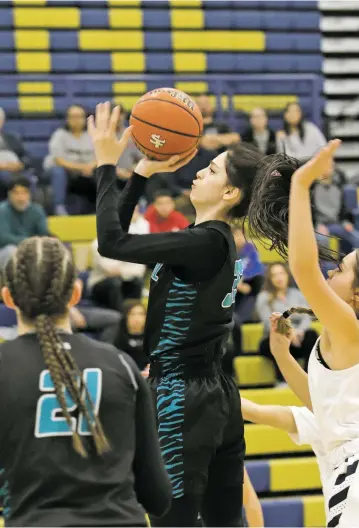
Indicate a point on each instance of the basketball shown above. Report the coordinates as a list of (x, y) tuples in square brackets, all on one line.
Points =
[(166, 122)]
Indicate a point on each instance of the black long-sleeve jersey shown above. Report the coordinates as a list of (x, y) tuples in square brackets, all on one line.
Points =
[(46, 482), (194, 281)]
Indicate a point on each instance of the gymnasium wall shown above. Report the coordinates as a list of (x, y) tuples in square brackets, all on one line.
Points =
[(191, 37)]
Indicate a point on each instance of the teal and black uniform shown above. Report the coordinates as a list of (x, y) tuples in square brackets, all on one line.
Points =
[(193, 286)]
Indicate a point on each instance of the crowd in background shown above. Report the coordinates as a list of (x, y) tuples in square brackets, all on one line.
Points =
[(114, 310)]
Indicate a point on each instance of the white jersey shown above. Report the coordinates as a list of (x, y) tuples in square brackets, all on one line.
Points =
[(335, 401), (308, 433)]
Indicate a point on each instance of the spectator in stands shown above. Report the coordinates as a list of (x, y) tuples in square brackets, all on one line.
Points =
[(71, 163), (101, 321), (13, 157), (19, 218), (259, 134), (162, 216), (131, 155), (278, 296), (130, 331), (299, 138), (111, 281), (330, 214), (249, 287)]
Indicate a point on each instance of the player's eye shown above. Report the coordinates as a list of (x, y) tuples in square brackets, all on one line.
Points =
[(211, 170), (340, 267)]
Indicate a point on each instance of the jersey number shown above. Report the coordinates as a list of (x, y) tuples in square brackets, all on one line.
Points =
[(50, 420), (156, 269), (230, 297)]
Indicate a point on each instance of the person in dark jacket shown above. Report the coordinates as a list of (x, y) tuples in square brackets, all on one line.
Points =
[(19, 218), (129, 336), (259, 134), (13, 157)]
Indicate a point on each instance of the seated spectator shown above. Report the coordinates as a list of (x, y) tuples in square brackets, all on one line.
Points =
[(259, 134), (110, 281), (162, 216), (330, 214), (278, 296), (217, 137), (299, 138), (13, 157), (130, 332), (19, 218), (71, 163), (249, 287), (130, 156), (94, 319)]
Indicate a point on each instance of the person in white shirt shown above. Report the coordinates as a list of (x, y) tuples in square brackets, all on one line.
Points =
[(111, 281), (331, 388), (300, 424)]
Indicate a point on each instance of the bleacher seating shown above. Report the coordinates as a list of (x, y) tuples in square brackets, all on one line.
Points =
[(161, 38), (252, 53)]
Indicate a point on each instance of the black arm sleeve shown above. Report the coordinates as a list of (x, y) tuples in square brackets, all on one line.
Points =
[(152, 485), (199, 247)]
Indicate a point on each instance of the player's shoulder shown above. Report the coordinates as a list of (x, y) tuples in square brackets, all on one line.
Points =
[(215, 228), (104, 353)]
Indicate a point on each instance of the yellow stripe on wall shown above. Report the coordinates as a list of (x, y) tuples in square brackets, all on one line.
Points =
[(128, 62), (314, 512), (128, 101), (187, 18), (128, 87), (28, 40), (211, 40), (33, 61), (186, 3), (192, 87), (29, 103), (269, 102), (294, 474), (47, 17), (34, 87), (189, 62), (125, 18), (124, 3), (104, 39), (26, 2)]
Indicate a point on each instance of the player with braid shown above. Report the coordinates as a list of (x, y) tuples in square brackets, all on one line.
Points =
[(56, 387)]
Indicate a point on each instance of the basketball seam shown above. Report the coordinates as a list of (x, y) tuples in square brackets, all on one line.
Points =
[(158, 152), (163, 128), (173, 103)]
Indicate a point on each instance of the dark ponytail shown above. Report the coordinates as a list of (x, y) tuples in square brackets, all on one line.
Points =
[(268, 212), (40, 278), (242, 162)]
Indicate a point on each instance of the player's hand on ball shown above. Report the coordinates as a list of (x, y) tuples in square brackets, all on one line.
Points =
[(103, 132), (148, 168)]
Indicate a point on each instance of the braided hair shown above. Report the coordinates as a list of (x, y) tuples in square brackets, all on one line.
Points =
[(40, 278), (284, 325)]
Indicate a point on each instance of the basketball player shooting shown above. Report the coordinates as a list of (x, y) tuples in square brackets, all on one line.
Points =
[(192, 291)]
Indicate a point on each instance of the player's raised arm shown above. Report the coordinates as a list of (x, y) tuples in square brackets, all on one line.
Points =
[(331, 305), (114, 212)]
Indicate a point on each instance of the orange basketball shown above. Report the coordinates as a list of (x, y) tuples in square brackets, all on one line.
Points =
[(166, 122)]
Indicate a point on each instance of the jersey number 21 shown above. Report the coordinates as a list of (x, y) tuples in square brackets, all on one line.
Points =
[(230, 297), (49, 417)]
